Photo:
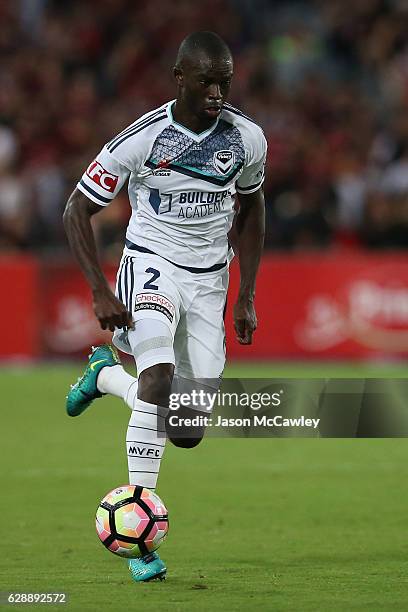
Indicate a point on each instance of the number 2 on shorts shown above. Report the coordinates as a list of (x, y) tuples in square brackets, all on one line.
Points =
[(148, 284)]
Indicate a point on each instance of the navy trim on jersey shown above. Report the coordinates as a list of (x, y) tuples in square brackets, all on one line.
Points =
[(135, 247), (220, 182), (135, 130), (250, 187), (135, 125), (119, 281), (125, 277), (132, 288), (236, 111), (92, 192)]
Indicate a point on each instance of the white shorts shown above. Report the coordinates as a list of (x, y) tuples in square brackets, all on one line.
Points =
[(190, 304)]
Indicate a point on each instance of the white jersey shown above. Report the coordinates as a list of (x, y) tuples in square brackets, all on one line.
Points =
[(181, 184)]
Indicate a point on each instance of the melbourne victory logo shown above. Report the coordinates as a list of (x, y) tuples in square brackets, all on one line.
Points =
[(223, 161)]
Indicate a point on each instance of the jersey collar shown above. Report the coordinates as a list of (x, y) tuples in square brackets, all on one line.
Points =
[(181, 128)]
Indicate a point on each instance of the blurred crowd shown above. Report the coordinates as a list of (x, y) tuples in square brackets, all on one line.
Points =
[(327, 81)]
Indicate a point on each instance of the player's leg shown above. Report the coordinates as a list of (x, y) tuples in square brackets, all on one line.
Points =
[(104, 373), (184, 383), (200, 353), (144, 442), (146, 435), (155, 312), (147, 397), (116, 381)]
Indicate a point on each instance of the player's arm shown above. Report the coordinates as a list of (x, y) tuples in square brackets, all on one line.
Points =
[(108, 309), (249, 237)]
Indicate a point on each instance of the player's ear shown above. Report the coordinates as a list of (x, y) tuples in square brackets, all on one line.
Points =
[(178, 75)]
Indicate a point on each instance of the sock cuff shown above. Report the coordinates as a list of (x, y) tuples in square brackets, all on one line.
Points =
[(152, 408), (132, 388)]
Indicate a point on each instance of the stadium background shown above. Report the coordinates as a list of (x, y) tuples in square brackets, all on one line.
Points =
[(329, 85), (328, 82)]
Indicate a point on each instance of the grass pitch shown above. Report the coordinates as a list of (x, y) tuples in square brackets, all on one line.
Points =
[(271, 524)]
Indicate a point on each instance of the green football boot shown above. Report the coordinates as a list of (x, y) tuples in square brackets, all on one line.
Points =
[(149, 567), (85, 390)]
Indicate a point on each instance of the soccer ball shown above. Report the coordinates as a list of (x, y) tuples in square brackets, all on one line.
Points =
[(131, 521)]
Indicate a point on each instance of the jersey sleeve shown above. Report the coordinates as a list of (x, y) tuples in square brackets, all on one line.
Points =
[(253, 173), (104, 178)]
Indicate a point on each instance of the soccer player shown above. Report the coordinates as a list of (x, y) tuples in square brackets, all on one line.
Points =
[(185, 162)]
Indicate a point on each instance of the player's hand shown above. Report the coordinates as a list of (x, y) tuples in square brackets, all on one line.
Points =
[(245, 322), (110, 311)]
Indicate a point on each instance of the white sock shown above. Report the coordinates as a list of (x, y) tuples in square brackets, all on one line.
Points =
[(144, 446), (116, 381)]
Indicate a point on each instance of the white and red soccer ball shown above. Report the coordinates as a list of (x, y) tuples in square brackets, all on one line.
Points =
[(131, 521)]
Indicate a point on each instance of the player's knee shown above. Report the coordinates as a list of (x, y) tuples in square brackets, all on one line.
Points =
[(155, 384), (185, 433), (185, 442)]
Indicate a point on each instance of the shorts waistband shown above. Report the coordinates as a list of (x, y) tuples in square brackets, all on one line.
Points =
[(135, 247)]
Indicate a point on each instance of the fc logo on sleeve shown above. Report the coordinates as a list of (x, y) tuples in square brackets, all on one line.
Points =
[(102, 177)]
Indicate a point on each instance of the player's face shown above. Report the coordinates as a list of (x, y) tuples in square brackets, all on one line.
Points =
[(205, 86)]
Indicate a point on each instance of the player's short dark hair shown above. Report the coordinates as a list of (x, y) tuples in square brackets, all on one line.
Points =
[(202, 43)]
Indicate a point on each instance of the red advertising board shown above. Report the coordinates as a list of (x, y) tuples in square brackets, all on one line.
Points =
[(19, 308), (315, 306), (69, 326), (308, 307)]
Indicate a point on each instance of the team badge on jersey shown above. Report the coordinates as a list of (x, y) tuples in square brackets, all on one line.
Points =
[(223, 161)]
